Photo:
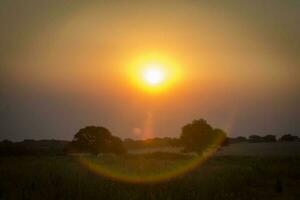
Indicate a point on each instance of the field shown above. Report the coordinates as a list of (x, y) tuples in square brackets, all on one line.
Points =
[(241, 149), (220, 177)]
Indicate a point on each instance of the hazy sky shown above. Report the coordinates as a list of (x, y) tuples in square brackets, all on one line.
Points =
[(64, 65)]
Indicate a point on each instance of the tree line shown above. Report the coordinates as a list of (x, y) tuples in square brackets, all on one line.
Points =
[(32, 147), (196, 136), (265, 138)]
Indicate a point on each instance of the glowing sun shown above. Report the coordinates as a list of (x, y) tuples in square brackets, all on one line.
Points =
[(154, 74)]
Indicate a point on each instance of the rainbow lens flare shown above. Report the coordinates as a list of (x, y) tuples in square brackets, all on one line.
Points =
[(143, 169)]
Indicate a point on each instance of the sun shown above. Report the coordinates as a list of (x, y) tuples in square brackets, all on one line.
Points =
[(153, 74)]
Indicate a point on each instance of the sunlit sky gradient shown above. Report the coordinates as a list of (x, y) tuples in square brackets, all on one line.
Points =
[(65, 65)]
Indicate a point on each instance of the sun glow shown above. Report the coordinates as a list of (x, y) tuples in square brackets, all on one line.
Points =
[(154, 73)]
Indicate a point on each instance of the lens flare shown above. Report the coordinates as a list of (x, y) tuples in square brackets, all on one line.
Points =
[(153, 74), (142, 169)]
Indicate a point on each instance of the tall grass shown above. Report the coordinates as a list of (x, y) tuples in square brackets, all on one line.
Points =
[(226, 177)]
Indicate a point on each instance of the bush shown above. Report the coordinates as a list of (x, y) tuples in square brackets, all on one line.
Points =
[(95, 140), (198, 136)]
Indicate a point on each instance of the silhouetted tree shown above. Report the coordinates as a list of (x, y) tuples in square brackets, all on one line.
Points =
[(269, 138), (94, 139), (237, 139), (6, 143), (199, 136), (115, 145), (289, 138), (255, 138), (32, 147)]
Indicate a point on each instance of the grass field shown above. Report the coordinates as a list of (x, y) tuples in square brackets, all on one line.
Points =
[(240, 149), (220, 177)]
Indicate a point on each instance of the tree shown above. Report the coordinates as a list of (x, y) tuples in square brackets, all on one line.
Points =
[(269, 138), (6, 143), (255, 139), (289, 138), (199, 136), (95, 139), (238, 139)]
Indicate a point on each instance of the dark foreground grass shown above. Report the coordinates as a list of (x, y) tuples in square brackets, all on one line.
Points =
[(218, 178)]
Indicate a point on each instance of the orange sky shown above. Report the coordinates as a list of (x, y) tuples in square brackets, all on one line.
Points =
[(233, 56)]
